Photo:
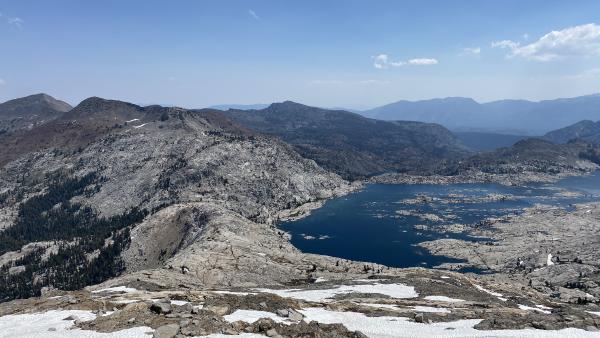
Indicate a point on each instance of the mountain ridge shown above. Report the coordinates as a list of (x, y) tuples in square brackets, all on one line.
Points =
[(527, 116), (350, 144)]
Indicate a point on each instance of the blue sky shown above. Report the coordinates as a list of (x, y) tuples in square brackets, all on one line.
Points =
[(354, 54)]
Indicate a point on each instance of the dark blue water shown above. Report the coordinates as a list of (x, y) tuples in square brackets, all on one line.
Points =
[(368, 226)]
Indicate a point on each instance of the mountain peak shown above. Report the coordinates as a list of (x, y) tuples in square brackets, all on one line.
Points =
[(97, 104)]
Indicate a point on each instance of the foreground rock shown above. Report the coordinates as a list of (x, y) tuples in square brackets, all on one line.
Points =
[(547, 248)]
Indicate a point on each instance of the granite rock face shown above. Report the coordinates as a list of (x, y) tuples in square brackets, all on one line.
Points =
[(211, 191)]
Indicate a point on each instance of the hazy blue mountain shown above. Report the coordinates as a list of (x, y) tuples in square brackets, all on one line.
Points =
[(517, 115), (480, 141), (586, 130)]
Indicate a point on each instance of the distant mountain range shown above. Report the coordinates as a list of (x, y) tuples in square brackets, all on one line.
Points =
[(518, 116), (350, 144)]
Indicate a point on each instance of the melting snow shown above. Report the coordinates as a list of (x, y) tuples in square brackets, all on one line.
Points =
[(444, 299), (132, 120), (495, 294), (431, 309), (549, 260), (233, 293), (382, 306), (51, 324), (395, 327), (324, 295), (529, 308), (115, 289), (141, 125), (241, 335), (250, 316)]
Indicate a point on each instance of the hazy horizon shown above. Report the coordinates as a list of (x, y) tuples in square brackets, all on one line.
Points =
[(349, 54)]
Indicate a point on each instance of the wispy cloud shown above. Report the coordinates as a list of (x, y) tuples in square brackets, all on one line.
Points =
[(12, 20), (253, 14), (576, 41), (382, 61), (351, 82), (2, 82), (475, 51)]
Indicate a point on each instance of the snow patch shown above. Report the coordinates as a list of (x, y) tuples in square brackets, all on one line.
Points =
[(224, 292), (116, 289), (51, 324), (141, 125), (179, 302), (394, 327), (444, 299), (549, 261), (241, 335), (380, 306), (597, 313), (132, 120), (431, 309), (495, 294), (250, 316), (320, 280), (393, 290), (529, 308)]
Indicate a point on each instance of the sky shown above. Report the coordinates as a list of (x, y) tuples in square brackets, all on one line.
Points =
[(354, 54)]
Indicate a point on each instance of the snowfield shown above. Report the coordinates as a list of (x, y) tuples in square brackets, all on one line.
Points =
[(51, 324), (399, 327), (397, 290), (250, 316)]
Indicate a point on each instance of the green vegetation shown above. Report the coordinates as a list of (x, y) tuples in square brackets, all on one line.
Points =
[(88, 246)]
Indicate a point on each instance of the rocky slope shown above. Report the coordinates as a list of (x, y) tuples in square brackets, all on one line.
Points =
[(217, 186), (529, 160), (28, 112), (585, 130), (351, 145)]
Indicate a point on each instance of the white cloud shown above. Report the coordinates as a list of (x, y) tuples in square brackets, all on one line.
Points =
[(253, 14), (2, 82), (471, 51), (382, 61), (583, 40), (422, 62), (13, 21)]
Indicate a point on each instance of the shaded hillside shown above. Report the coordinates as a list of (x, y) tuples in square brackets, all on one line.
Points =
[(352, 145), (586, 130), (505, 115), (30, 111), (530, 155), (479, 141)]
